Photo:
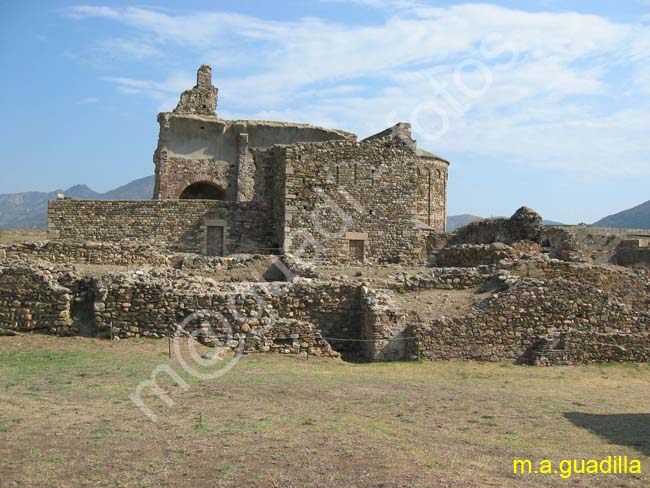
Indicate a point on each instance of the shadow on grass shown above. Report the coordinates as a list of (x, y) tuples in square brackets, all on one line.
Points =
[(625, 429)]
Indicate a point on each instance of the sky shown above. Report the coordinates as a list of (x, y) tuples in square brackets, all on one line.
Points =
[(541, 103)]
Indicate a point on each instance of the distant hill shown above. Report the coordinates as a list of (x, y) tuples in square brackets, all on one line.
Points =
[(456, 221), (29, 210), (634, 218)]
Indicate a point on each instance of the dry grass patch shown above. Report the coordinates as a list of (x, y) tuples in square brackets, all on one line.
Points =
[(66, 420)]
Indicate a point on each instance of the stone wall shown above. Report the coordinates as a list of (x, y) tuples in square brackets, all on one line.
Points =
[(600, 244), (383, 328), (32, 300), (299, 317), (176, 174), (627, 286), (341, 191), (601, 314), (120, 253), (175, 224), (509, 324), (585, 347), (195, 148), (202, 99), (108, 256), (470, 255), (524, 225), (633, 258)]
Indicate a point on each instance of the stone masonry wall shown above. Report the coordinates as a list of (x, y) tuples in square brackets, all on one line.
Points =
[(468, 255), (31, 299), (596, 314), (90, 252), (509, 324), (174, 224), (202, 99), (175, 174), (525, 224), (339, 191), (288, 317)]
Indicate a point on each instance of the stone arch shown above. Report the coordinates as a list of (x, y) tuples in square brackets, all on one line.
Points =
[(203, 190)]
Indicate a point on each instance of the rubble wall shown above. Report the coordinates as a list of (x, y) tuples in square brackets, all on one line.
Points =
[(32, 300), (507, 325), (173, 224)]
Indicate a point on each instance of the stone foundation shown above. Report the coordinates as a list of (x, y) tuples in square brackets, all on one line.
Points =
[(538, 310)]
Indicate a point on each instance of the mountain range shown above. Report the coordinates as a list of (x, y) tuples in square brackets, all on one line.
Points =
[(634, 218), (29, 210)]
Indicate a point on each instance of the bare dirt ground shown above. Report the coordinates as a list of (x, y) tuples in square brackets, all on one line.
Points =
[(66, 420), (13, 236), (434, 304)]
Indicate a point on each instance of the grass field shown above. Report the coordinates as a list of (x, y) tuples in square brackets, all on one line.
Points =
[(66, 420)]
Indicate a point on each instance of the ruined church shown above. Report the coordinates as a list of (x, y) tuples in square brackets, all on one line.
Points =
[(224, 187)]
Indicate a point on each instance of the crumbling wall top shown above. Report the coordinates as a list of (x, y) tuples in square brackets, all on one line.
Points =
[(202, 99)]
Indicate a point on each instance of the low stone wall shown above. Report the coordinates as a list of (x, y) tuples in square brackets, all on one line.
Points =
[(524, 225), (383, 327), (121, 253), (597, 243), (443, 279), (632, 257), (628, 286), (507, 325), (470, 255), (174, 224), (563, 245), (57, 300), (235, 268), (589, 312), (586, 346), (12, 236), (31, 299)]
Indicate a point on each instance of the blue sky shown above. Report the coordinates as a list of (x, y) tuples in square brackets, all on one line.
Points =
[(544, 103)]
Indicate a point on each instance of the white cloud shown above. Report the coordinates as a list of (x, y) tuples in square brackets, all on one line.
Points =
[(137, 49), (550, 98), (87, 101), (643, 79)]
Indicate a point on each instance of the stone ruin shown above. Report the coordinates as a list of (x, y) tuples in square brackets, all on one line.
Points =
[(225, 187), (304, 240)]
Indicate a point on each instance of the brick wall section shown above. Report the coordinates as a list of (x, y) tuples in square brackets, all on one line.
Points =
[(174, 224)]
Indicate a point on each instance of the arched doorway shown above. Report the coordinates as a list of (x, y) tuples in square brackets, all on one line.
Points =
[(203, 190)]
